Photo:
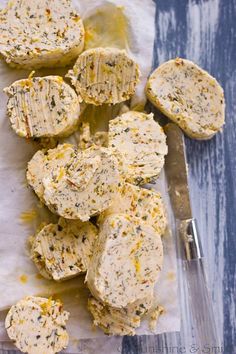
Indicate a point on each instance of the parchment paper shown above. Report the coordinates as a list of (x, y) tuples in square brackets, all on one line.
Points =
[(131, 27)]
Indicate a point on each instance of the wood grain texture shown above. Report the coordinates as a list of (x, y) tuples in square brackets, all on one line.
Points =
[(205, 31)]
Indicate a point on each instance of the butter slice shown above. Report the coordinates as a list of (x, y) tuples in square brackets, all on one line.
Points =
[(126, 261), (45, 33), (62, 251), (104, 75), (84, 187), (142, 144), (146, 205), (189, 96), (42, 107), (43, 162), (38, 325)]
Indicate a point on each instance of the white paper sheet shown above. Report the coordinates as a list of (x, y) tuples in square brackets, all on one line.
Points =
[(18, 275)]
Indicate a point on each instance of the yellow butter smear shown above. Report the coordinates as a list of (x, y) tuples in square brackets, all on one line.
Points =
[(137, 265), (28, 216), (23, 279), (107, 27), (171, 276), (136, 261), (46, 306)]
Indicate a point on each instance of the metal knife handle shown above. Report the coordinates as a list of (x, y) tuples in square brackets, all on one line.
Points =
[(189, 236), (196, 289)]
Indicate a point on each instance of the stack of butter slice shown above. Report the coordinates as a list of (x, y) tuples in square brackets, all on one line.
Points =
[(79, 183), (123, 257), (49, 107)]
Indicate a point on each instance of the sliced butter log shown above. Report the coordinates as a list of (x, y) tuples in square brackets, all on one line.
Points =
[(189, 96), (142, 143), (62, 251), (43, 162), (84, 187), (126, 261), (122, 321), (42, 107), (145, 204), (38, 325), (45, 33), (104, 75)]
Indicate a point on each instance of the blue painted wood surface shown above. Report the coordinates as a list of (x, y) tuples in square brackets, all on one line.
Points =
[(205, 32)]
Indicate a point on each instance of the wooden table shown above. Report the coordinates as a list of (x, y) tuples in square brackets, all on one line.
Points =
[(205, 32)]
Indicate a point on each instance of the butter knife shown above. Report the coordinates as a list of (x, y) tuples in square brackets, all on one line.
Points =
[(188, 243)]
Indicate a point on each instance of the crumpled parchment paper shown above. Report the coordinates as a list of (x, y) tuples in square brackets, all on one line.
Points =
[(124, 24)]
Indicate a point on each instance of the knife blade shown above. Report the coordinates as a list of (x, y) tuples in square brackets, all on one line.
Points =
[(177, 176), (177, 172), (188, 243)]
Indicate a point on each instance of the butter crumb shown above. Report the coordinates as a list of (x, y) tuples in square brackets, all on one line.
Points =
[(155, 314)]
